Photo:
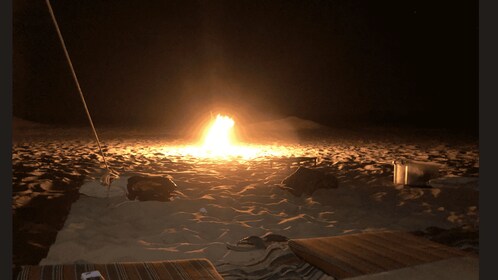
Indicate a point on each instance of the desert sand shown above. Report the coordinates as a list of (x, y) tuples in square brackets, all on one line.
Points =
[(225, 200)]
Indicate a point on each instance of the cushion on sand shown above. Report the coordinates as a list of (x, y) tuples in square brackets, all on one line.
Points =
[(177, 269), (373, 252)]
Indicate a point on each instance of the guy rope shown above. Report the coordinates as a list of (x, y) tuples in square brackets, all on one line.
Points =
[(110, 174)]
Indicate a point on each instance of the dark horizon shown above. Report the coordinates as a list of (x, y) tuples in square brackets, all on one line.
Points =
[(334, 62)]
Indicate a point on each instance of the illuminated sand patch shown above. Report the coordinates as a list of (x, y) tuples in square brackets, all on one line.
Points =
[(241, 197), (233, 152)]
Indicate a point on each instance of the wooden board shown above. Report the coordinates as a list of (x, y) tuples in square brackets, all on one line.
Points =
[(373, 252)]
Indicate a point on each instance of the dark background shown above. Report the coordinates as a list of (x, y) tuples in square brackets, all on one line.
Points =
[(389, 63)]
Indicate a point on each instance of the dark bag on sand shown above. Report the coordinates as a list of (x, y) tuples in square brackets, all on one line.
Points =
[(306, 180), (146, 188)]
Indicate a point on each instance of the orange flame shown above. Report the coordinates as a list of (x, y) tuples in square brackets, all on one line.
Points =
[(219, 143), (219, 135)]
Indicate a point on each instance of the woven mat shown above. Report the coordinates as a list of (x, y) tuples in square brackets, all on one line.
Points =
[(174, 270)]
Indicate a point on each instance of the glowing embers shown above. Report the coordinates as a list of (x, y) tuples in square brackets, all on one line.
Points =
[(233, 152)]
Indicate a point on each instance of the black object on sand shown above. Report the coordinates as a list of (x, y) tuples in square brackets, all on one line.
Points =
[(305, 180), (148, 188), (256, 242)]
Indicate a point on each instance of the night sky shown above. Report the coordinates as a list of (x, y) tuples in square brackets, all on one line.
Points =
[(165, 62)]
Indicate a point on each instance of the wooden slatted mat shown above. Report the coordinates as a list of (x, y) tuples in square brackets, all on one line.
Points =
[(192, 269), (373, 252)]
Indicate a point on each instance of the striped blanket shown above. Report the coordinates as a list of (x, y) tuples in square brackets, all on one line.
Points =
[(278, 262), (172, 270)]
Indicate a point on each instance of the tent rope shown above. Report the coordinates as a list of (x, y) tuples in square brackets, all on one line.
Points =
[(77, 84)]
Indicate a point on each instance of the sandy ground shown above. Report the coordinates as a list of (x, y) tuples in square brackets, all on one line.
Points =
[(53, 223)]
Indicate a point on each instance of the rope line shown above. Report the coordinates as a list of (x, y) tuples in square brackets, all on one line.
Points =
[(76, 81)]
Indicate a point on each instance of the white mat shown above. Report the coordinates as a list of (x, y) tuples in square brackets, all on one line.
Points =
[(96, 189)]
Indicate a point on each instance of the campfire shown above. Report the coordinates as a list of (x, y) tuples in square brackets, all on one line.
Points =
[(219, 136), (218, 141)]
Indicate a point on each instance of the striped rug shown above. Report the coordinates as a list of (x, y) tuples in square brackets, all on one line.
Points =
[(373, 252), (172, 270), (277, 262)]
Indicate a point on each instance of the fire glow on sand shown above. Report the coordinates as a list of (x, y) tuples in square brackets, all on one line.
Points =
[(220, 143)]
